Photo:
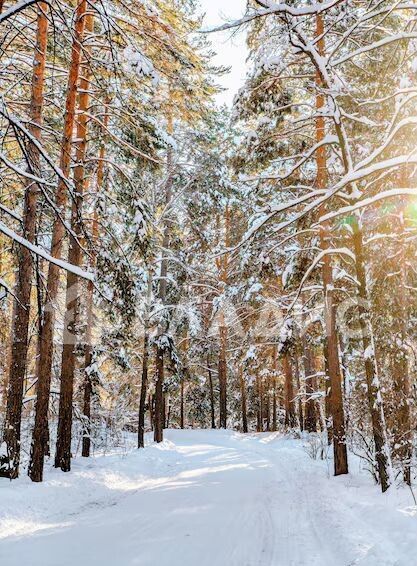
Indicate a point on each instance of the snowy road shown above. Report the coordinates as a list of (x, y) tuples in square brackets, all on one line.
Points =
[(206, 498)]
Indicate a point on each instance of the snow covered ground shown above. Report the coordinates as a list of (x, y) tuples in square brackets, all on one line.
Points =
[(205, 498)]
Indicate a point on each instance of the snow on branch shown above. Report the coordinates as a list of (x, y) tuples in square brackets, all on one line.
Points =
[(19, 7), (274, 8), (315, 263), (373, 46), (272, 211), (356, 175), (14, 120), (10, 212), (392, 193), (328, 140), (409, 121), (42, 253), (323, 196), (23, 173)]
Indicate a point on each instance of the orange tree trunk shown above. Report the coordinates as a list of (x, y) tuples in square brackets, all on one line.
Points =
[(223, 374), (290, 418), (210, 379), (243, 400), (71, 317), (376, 407), (331, 342), (21, 306), (40, 431)]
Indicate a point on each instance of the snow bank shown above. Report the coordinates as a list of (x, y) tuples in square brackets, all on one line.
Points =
[(206, 497)]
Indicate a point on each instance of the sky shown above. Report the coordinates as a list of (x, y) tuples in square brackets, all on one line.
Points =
[(230, 47)]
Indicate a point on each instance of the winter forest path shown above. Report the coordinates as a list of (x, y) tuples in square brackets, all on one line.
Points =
[(206, 498)]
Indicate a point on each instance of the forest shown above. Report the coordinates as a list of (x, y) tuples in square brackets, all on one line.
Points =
[(191, 288)]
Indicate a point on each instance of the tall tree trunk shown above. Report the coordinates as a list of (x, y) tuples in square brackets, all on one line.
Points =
[(224, 268), (259, 404), (300, 407), (274, 405), (243, 399), (268, 404), (21, 305), (327, 394), (143, 389), (212, 408), (40, 432), (290, 419), (402, 430), (159, 397), (332, 350), (151, 410), (274, 390), (310, 408), (168, 413), (223, 373), (88, 383), (159, 387), (145, 364), (376, 407), (75, 255), (88, 358), (400, 366), (182, 419), (401, 372), (184, 374), (87, 395)]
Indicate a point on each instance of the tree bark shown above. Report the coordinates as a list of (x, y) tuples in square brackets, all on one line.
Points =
[(159, 387), (145, 364), (274, 390), (159, 397), (259, 423), (300, 407), (151, 410), (243, 400), (40, 432), (88, 393), (401, 371), (182, 419), (290, 419), (143, 389), (75, 255), (332, 349), (268, 404), (224, 268), (212, 408), (274, 405), (376, 407), (88, 358), (223, 374), (310, 421), (21, 305)]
